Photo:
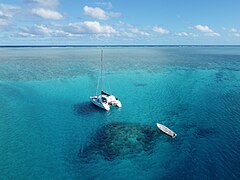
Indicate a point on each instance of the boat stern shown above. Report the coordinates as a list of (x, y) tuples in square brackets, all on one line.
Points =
[(106, 107), (119, 104)]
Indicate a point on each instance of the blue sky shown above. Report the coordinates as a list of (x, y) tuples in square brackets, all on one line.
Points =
[(26, 22)]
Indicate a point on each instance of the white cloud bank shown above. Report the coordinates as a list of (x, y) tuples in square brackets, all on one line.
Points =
[(47, 13), (206, 30), (7, 12), (234, 32), (93, 29), (99, 13), (89, 27), (136, 31), (107, 4), (160, 30), (42, 30), (72, 29), (186, 34), (50, 4), (45, 9)]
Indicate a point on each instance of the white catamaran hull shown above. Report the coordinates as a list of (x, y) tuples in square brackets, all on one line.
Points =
[(119, 104), (116, 103), (101, 105)]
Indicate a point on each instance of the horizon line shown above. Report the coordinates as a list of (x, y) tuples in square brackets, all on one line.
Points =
[(123, 45)]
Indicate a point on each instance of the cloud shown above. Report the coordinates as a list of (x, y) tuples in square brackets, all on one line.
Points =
[(236, 34), (92, 29), (7, 12), (233, 30), (121, 23), (89, 27), (99, 13), (42, 30), (44, 3), (160, 30), (206, 30), (4, 22), (136, 31), (69, 30), (130, 32), (212, 34), (47, 13), (45, 9), (107, 4), (185, 34)]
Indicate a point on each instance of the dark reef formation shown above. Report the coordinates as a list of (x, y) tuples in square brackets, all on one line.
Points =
[(140, 84), (120, 140), (204, 132)]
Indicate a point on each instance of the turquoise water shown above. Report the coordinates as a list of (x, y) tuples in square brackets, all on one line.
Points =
[(49, 129)]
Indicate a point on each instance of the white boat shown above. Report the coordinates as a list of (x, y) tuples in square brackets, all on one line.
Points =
[(104, 100), (166, 130)]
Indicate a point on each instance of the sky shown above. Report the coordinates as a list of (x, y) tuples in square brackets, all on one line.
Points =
[(100, 22)]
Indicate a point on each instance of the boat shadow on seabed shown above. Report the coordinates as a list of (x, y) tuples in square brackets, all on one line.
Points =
[(85, 108)]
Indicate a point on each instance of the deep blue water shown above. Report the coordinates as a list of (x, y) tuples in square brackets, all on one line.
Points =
[(49, 129)]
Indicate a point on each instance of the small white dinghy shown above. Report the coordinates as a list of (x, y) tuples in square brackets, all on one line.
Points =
[(166, 130), (104, 100)]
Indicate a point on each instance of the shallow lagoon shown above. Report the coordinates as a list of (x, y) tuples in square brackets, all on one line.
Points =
[(48, 127)]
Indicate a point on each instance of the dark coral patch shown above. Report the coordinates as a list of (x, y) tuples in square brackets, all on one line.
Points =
[(121, 140), (140, 84), (205, 132)]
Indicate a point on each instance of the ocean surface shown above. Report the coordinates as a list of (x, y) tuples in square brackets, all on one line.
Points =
[(49, 129)]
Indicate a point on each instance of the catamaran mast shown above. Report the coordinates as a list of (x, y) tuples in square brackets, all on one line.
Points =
[(100, 78), (101, 70)]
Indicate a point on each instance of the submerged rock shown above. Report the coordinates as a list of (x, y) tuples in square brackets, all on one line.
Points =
[(204, 132), (120, 140), (140, 84)]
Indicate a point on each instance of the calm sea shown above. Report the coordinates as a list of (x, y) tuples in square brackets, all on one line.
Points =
[(49, 129)]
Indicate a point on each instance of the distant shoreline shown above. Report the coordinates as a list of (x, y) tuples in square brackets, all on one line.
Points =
[(60, 46)]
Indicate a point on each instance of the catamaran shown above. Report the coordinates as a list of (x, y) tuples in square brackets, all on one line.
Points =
[(104, 100)]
